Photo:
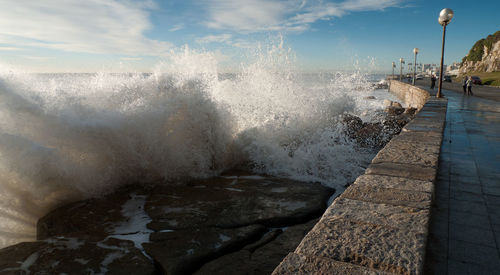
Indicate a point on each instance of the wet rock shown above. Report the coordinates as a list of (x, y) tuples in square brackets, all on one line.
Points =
[(411, 111), (181, 227), (352, 124), (75, 256), (377, 135), (394, 110), (229, 202), (181, 252), (92, 219), (262, 257), (369, 97)]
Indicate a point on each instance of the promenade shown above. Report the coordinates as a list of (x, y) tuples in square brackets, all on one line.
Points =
[(465, 218)]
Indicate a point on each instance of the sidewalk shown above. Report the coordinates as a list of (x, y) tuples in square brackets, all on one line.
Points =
[(465, 222)]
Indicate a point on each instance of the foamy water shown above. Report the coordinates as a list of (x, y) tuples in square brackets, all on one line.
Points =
[(65, 137)]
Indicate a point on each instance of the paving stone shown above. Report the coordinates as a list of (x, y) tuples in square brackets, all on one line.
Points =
[(464, 187), (435, 266), (473, 235), (472, 253), (402, 170), (305, 265), (469, 219), (439, 223), (395, 183), (458, 268), (439, 248), (495, 191), (367, 193), (386, 248), (379, 214), (468, 207), (492, 199), (466, 196)]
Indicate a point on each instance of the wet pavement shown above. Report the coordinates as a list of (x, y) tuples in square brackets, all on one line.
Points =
[(465, 222)]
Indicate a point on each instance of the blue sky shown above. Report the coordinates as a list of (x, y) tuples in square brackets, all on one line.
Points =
[(129, 35)]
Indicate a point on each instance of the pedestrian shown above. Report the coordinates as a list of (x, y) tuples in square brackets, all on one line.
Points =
[(469, 86), (464, 84), (433, 81)]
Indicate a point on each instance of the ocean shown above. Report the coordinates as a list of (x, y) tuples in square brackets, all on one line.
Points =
[(65, 137)]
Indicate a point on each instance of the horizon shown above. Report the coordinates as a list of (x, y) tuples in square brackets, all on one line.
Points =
[(322, 36)]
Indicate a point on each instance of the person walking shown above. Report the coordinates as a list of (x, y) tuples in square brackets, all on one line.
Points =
[(469, 86), (464, 84), (433, 81)]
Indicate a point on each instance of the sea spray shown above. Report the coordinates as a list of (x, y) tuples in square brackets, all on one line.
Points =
[(71, 136)]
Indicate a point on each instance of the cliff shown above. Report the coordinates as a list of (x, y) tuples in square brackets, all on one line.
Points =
[(484, 56)]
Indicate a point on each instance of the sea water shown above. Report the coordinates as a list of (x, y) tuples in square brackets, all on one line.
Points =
[(65, 137)]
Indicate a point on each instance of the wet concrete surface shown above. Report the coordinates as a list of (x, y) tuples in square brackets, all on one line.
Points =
[(486, 92), (465, 218)]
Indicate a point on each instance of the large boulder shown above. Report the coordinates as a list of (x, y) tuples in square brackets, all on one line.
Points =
[(180, 226), (75, 256)]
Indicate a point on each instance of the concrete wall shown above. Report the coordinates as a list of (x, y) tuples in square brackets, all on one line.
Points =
[(411, 95), (379, 225)]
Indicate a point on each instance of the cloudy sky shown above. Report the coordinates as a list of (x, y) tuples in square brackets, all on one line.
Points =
[(132, 35)]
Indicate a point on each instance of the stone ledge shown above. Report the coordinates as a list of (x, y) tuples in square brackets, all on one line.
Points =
[(400, 151), (402, 217), (309, 265), (415, 199), (395, 183), (403, 170), (387, 249)]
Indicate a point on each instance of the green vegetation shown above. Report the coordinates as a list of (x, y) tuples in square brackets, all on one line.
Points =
[(492, 79), (477, 51)]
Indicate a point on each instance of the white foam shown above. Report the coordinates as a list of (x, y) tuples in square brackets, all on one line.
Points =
[(72, 136)]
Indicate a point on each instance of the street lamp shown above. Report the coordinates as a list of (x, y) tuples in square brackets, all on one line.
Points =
[(393, 66), (444, 19), (401, 62), (415, 51)]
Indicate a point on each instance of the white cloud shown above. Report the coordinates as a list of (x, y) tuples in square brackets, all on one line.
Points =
[(176, 27), (221, 38), (36, 58), (282, 15), (11, 49), (228, 40), (130, 58), (91, 26)]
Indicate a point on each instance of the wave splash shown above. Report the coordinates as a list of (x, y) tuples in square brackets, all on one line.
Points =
[(65, 137)]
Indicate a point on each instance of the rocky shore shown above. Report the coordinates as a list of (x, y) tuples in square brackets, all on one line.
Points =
[(237, 221)]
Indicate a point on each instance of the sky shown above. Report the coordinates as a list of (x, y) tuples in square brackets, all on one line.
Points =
[(133, 36)]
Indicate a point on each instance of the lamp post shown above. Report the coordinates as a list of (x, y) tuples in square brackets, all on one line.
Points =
[(444, 19), (401, 62), (393, 66), (415, 51)]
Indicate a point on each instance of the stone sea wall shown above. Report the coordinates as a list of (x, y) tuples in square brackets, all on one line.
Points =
[(411, 95), (379, 225)]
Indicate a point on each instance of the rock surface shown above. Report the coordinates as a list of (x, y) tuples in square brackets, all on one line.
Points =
[(487, 61), (174, 229), (75, 256), (378, 134)]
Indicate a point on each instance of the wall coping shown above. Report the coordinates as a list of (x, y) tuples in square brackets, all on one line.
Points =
[(379, 224)]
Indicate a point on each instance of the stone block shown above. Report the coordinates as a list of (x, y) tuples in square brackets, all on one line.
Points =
[(391, 196), (429, 138), (395, 183), (400, 151), (305, 265), (385, 248), (402, 217), (402, 170)]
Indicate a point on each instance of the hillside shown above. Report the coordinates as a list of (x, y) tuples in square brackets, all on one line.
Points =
[(484, 56)]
